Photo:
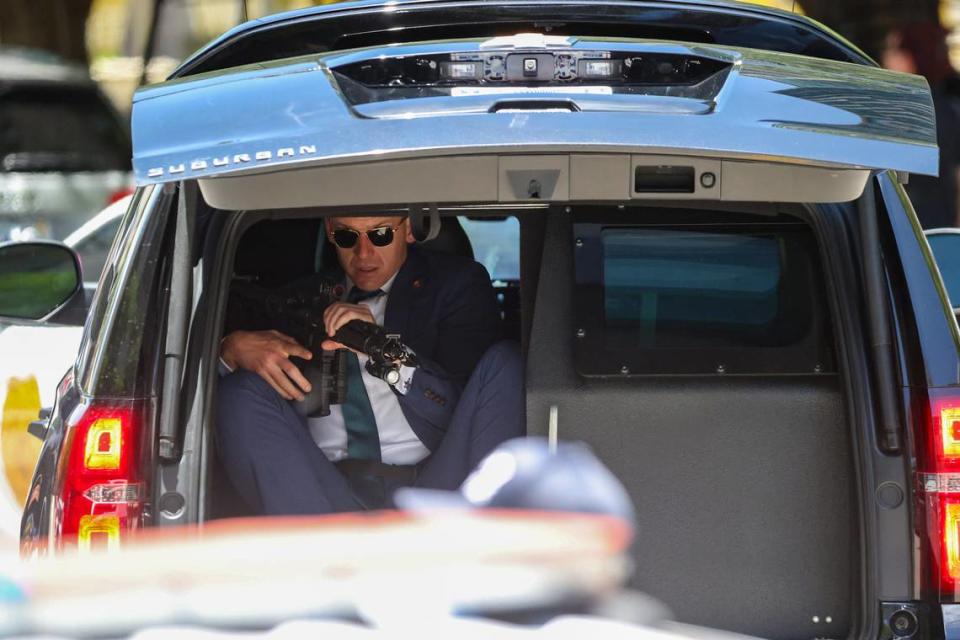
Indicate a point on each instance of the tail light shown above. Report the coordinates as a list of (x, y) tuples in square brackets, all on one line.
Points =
[(938, 476), (103, 490)]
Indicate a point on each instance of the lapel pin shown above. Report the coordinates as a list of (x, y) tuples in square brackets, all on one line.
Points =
[(417, 283)]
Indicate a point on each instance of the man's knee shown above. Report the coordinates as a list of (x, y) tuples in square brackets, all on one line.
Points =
[(244, 391), (242, 383), (500, 373), (503, 355), (242, 398)]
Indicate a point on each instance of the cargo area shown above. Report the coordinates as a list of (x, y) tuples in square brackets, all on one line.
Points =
[(740, 468)]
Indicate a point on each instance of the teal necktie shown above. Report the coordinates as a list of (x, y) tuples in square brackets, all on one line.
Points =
[(363, 439)]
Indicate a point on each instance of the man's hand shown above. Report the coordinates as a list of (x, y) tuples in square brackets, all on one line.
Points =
[(267, 353), (339, 314)]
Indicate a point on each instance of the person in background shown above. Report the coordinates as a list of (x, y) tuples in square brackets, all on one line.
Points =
[(921, 48)]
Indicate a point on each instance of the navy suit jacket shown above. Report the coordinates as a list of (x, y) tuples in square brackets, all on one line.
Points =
[(444, 308)]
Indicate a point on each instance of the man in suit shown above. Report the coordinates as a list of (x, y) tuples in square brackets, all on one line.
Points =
[(462, 399)]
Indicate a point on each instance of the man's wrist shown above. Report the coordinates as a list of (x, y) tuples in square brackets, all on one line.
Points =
[(225, 358)]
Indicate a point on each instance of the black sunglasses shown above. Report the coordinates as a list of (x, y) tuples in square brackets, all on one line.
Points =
[(348, 238)]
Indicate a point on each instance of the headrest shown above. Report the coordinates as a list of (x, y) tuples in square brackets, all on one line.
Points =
[(450, 238)]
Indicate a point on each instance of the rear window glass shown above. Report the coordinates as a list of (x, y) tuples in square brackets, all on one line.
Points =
[(121, 323), (664, 288), (699, 299), (496, 245), (60, 129), (946, 250)]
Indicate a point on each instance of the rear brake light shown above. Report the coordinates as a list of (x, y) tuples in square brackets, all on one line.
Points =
[(938, 482), (950, 431), (102, 492), (103, 443)]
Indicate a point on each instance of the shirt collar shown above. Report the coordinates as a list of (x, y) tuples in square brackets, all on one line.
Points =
[(385, 287)]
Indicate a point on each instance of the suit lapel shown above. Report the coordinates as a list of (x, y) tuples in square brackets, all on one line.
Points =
[(406, 291)]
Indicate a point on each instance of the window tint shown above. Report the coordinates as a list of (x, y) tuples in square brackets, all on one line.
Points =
[(699, 299), (124, 305), (60, 129), (496, 245), (682, 288), (946, 250)]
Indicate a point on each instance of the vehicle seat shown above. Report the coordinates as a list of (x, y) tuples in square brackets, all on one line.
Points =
[(451, 239)]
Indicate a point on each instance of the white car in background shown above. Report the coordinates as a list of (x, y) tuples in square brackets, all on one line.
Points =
[(32, 362)]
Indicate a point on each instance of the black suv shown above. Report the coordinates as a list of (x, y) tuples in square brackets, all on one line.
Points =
[(722, 287)]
